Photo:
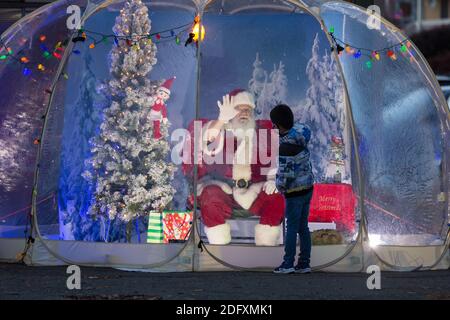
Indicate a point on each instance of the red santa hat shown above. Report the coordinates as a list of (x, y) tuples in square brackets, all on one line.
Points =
[(242, 97), (167, 85)]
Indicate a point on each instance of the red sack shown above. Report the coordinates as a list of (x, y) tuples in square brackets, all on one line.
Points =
[(334, 203)]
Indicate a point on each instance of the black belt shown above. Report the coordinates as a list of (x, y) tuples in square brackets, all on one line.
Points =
[(241, 183)]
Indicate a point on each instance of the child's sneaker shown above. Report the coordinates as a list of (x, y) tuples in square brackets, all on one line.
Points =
[(299, 269), (284, 269)]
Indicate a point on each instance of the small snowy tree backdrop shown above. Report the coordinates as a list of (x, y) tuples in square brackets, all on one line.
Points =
[(322, 110), (268, 89)]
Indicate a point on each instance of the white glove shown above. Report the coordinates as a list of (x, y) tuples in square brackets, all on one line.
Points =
[(269, 187), (227, 111)]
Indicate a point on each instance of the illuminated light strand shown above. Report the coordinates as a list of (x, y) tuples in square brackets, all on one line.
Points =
[(137, 37), (24, 60), (83, 35), (404, 47)]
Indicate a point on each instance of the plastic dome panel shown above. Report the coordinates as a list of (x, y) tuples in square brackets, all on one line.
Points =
[(77, 110), (283, 58), (402, 128), (21, 114)]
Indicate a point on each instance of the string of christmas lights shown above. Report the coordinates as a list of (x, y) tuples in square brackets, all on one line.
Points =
[(81, 35), (404, 47)]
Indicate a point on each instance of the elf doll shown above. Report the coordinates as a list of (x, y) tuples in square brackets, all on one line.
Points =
[(158, 111)]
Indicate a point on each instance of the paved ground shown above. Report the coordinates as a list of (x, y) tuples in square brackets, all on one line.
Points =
[(23, 282)]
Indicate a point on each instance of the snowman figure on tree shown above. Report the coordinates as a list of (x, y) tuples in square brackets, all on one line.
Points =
[(158, 111)]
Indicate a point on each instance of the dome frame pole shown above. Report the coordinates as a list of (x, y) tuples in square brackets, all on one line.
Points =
[(445, 129)]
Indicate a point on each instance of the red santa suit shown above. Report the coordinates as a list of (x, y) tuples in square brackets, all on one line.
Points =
[(218, 184), (158, 113)]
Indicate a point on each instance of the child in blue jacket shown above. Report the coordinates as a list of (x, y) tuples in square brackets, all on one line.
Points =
[(295, 181)]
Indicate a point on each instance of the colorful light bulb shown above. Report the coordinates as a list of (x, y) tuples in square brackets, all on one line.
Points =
[(196, 31), (349, 49), (376, 55), (391, 54)]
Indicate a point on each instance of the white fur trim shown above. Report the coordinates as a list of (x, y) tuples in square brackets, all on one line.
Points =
[(242, 171), (246, 197), (266, 235), (271, 173), (244, 98), (164, 89), (244, 153), (220, 234)]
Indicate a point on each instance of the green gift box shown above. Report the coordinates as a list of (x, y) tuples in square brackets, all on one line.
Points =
[(155, 228)]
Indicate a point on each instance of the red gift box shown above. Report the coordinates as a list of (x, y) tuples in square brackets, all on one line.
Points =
[(334, 203), (176, 225)]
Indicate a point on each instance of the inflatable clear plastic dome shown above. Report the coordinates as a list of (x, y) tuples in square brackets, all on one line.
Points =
[(121, 141)]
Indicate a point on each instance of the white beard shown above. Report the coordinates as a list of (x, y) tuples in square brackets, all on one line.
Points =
[(245, 134), (237, 126)]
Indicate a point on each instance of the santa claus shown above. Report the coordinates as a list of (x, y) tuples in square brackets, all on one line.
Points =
[(235, 175)]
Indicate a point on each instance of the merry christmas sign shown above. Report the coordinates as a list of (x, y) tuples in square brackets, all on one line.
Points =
[(333, 203)]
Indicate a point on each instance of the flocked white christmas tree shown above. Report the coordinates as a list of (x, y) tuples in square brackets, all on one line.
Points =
[(129, 167)]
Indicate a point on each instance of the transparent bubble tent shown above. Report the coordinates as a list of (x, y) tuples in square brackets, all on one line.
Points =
[(96, 171)]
